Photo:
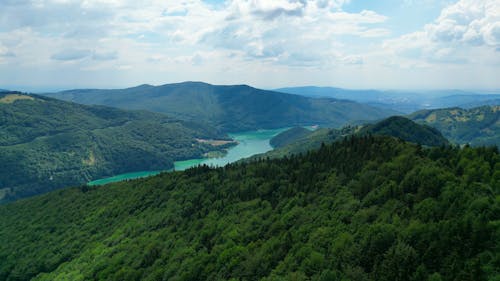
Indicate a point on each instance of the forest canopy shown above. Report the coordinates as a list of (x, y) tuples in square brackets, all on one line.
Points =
[(365, 208)]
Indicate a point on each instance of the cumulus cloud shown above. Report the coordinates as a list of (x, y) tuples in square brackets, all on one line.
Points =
[(462, 29), (287, 31), (468, 21), (172, 38), (257, 29)]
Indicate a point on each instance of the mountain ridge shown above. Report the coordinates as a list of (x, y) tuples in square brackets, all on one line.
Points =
[(230, 107), (48, 143), (476, 126), (366, 208)]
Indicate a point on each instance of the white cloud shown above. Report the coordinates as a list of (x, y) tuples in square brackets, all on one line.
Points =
[(154, 40), (465, 32), (259, 29), (468, 21)]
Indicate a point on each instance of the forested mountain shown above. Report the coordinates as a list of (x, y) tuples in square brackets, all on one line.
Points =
[(476, 126), (302, 144), (365, 208), (404, 128), (231, 108), (403, 101), (47, 143), (395, 126)]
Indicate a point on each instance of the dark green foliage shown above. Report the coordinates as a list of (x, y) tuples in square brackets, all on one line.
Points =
[(403, 128), (364, 208), (395, 126), (47, 143), (311, 141), (476, 126), (289, 136), (231, 108)]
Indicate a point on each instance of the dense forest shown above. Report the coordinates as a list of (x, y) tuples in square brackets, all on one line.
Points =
[(47, 143), (403, 128), (300, 140), (232, 108), (476, 126), (364, 208), (289, 136)]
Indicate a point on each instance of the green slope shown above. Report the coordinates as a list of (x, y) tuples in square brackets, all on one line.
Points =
[(47, 143), (395, 126), (367, 208), (289, 136), (231, 108), (404, 128), (476, 126)]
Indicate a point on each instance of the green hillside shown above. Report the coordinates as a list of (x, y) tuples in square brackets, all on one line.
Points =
[(404, 128), (366, 208), (475, 126), (395, 126), (311, 141), (231, 108), (47, 144), (289, 136)]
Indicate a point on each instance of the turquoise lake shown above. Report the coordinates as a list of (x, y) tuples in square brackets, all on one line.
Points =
[(249, 143)]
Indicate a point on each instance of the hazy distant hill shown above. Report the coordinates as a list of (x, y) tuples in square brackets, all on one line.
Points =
[(403, 101), (476, 126), (232, 108), (47, 143), (480, 103)]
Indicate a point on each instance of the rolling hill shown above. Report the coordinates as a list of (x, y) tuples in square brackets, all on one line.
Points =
[(230, 108), (395, 126), (366, 208), (404, 128), (475, 126), (47, 143), (288, 136)]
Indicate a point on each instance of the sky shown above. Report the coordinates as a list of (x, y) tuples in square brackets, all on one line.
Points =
[(356, 44)]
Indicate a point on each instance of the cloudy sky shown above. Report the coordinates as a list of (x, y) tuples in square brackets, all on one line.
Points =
[(384, 44)]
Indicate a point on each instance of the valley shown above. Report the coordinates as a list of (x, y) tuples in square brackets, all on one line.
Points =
[(248, 144), (48, 144), (249, 140)]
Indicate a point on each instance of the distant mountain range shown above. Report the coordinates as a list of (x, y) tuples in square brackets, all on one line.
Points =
[(231, 108), (47, 143), (403, 101)]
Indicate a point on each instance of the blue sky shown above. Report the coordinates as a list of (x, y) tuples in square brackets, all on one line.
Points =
[(383, 44)]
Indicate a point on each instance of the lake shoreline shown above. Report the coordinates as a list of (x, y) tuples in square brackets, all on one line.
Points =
[(248, 143)]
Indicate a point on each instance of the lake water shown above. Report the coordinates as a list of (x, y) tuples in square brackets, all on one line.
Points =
[(249, 143)]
